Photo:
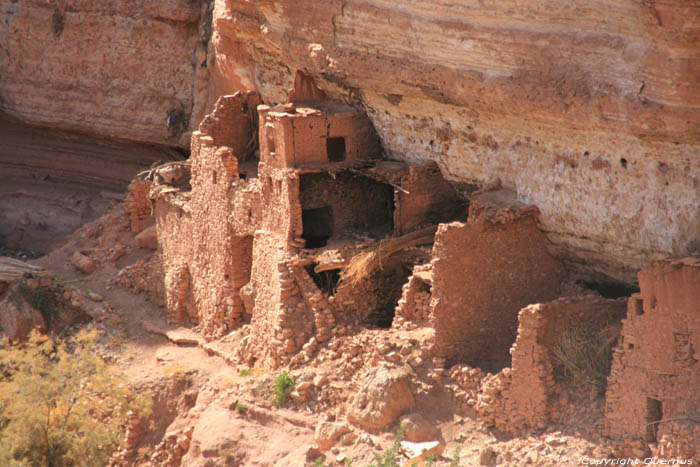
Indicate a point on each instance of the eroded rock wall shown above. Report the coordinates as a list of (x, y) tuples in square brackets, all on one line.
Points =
[(589, 111), (127, 69)]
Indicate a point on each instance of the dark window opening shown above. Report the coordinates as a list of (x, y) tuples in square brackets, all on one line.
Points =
[(612, 289), (335, 147), (630, 346), (326, 281), (623, 163), (639, 307), (654, 416), (318, 226)]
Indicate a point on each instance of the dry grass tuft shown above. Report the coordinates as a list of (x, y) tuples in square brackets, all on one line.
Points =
[(583, 354), (368, 262)]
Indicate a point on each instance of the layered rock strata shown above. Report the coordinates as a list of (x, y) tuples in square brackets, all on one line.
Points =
[(590, 112)]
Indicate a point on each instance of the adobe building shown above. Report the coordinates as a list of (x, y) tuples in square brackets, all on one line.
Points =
[(653, 393), (262, 237), (327, 197)]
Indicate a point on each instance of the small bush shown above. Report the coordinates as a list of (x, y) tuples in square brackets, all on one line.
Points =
[(389, 458), (41, 298), (583, 354), (454, 462), (240, 408), (244, 372), (60, 403), (283, 386)]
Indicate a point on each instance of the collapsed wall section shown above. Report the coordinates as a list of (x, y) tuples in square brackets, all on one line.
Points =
[(652, 389), (484, 272)]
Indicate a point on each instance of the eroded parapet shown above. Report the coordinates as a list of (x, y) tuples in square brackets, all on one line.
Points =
[(655, 372), (138, 206), (233, 122), (484, 272)]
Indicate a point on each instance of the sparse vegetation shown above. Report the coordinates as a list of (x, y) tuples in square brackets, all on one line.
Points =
[(181, 376), (60, 403), (240, 408), (41, 298), (583, 354), (283, 386), (454, 462), (244, 372), (389, 457)]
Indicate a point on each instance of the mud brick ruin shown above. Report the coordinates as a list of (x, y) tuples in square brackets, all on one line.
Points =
[(653, 387), (270, 239)]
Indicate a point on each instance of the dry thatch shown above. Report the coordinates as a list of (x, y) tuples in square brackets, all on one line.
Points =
[(12, 269), (368, 262), (583, 353)]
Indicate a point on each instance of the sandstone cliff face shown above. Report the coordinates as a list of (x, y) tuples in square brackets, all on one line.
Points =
[(589, 110), (120, 68)]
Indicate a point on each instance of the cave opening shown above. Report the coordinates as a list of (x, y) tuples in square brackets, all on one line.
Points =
[(612, 289)]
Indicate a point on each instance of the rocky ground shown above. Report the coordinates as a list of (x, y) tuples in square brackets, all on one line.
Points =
[(212, 409)]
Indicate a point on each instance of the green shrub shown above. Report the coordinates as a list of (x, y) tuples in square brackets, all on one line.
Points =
[(389, 458), (240, 408), (283, 386), (454, 462), (60, 403), (244, 372), (41, 298)]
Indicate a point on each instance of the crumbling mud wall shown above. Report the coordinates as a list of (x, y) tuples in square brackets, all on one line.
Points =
[(484, 272), (652, 392), (533, 382), (134, 70), (206, 222), (589, 112)]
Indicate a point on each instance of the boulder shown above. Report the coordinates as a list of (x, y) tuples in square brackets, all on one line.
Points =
[(384, 396), (83, 263), (18, 317), (147, 238), (417, 429), (328, 433)]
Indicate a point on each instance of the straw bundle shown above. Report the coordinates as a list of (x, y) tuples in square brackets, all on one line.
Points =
[(366, 263)]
